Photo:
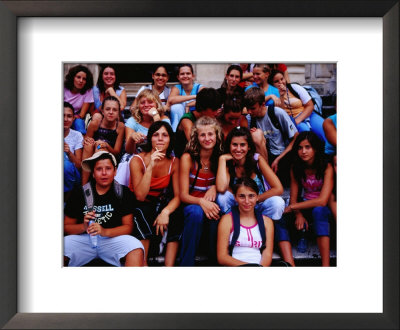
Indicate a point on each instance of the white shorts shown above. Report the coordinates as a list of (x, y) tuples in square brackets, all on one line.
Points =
[(79, 250)]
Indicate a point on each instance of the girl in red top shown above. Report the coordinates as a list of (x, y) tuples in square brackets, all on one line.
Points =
[(155, 183), (197, 188)]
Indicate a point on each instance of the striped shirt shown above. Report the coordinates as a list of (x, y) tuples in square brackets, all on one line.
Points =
[(203, 183)]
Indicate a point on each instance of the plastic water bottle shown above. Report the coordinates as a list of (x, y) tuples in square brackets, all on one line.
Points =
[(163, 241), (302, 244), (93, 239)]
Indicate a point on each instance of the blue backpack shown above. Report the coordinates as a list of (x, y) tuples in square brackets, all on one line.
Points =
[(236, 228), (316, 99)]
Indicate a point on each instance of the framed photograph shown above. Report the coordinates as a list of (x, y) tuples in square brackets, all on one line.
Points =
[(368, 27)]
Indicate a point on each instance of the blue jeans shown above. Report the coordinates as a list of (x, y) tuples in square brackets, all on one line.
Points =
[(195, 220), (72, 176), (272, 207), (79, 125), (320, 225), (177, 111), (313, 123)]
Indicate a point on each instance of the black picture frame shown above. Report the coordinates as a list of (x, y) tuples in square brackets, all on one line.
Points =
[(9, 13)]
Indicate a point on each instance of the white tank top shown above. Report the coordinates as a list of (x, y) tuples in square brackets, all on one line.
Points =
[(247, 246)]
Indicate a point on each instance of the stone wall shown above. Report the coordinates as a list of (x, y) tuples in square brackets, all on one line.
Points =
[(210, 75), (94, 69), (321, 76)]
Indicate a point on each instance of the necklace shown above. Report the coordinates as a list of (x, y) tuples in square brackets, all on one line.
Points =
[(205, 167), (289, 105)]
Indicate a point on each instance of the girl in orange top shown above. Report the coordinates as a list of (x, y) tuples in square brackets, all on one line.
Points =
[(155, 183)]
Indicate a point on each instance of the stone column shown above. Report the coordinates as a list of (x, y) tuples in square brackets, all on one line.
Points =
[(322, 77), (210, 74)]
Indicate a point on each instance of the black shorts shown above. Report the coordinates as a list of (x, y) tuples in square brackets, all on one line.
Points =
[(146, 213)]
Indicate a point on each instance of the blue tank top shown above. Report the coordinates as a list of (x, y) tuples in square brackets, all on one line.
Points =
[(329, 148), (262, 184), (195, 91)]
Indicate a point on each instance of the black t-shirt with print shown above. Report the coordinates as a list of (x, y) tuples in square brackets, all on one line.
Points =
[(109, 208)]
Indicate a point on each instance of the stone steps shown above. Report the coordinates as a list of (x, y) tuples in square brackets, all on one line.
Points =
[(310, 257)]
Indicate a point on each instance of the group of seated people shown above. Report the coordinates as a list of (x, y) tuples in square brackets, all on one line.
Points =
[(195, 166)]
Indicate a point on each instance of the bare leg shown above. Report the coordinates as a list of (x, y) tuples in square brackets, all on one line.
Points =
[(146, 245), (286, 251), (135, 258), (323, 245), (87, 152), (170, 254), (260, 142)]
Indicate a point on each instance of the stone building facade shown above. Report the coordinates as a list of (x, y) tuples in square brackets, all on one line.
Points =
[(322, 76)]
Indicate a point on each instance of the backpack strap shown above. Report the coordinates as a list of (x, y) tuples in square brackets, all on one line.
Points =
[(273, 118), (291, 89), (118, 190), (261, 227), (236, 228), (88, 195), (253, 122)]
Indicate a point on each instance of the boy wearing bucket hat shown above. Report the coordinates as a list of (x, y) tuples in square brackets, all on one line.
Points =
[(113, 216)]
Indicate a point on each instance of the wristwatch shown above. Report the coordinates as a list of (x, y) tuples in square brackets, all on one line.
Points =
[(154, 112)]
